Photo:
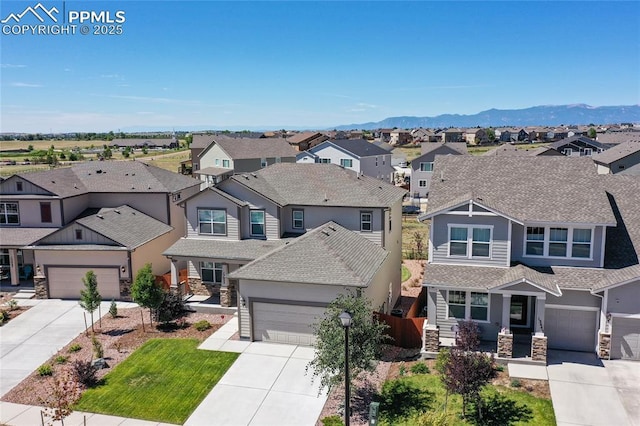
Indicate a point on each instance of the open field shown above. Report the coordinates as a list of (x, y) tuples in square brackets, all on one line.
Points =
[(412, 229)]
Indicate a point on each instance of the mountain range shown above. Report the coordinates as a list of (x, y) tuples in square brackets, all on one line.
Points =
[(543, 115)]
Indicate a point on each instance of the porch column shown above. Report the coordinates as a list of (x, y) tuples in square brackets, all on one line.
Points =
[(225, 294), (506, 312), (539, 318), (14, 267), (175, 277)]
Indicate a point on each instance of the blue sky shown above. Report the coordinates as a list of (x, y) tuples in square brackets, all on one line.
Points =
[(207, 64)]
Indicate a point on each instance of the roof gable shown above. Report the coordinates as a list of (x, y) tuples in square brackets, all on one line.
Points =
[(251, 148)]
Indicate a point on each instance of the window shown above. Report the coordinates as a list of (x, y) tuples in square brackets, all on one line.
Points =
[(278, 160), (469, 241), (45, 212), (468, 305), (211, 272), (457, 304), (4, 258), (559, 242), (535, 241), (225, 164), (257, 222), (365, 221), (263, 162), (217, 162), (567, 151), (426, 167), (78, 234), (581, 243), (298, 219), (376, 161), (9, 214), (346, 162), (212, 222), (587, 152), (325, 160), (422, 183), (19, 186)]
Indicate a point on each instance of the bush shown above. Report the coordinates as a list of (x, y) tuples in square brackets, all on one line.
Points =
[(402, 370), (45, 370), (202, 325), (113, 309), (468, 337), (498, 410), (420, 368), (74, 348), (12, 304), (172, 307), (85, 373), (402, 397), (61, 359), (432, 418), (442, 360), (516, 383), (4, 317), (98, 351), (332, 421)]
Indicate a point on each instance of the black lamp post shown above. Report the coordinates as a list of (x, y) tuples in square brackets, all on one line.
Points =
[(345, 318)]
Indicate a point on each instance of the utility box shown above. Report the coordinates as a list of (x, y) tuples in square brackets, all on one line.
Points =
[(374, 408)]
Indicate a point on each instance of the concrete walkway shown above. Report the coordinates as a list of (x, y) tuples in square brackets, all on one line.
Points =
[(267, 385)]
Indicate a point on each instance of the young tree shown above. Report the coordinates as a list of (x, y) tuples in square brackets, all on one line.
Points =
[(592, 133), (145, 292), (468, 336), (90, 297), (366, 336)]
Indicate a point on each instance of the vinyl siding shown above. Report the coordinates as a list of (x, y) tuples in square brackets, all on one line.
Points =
[(9, 186), (209, 158), (73, 206), (499, 246), (624, 299), (68, 236), (256, 202), (574, 298), (152, 204), (29, 211), (210, 200)]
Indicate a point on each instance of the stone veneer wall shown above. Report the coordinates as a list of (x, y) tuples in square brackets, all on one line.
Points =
[(505, 345), (604, 345), (198, 287), (431, 338), (40, 286), (125, 290), (539, 348)]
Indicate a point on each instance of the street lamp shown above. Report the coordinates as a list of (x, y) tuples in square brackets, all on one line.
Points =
[(345, 318)]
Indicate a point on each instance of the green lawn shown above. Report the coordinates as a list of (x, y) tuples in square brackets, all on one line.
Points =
[(163, 381), (430, 384)]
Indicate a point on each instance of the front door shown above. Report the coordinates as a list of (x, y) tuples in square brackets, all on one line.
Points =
[(519, 311)]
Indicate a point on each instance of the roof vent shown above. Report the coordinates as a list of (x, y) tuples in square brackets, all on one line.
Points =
[(53, 181), (332, 228), (99, 216), (254, 175), (325, 233), (133, 187), (75, 186), (117, 211), (246, 177), (99, 171)]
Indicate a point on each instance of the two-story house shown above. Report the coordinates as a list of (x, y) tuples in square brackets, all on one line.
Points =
[(225, 156), (111, 216), (617, 158), (422, 166), (579, 146), (358, 155), (305, 140), (284, 241), (517, 245)]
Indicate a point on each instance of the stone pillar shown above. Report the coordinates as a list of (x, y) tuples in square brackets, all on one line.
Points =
[(506, 312), (604, 345), (40, 287), (505, 344), (430, 338), (539, 347), (14, 267)]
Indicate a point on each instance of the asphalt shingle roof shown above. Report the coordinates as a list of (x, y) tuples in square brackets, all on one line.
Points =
[(359, 147), (329, 255), (527, 189), (319, 185), (109, 176), (623, 241), (454, 147), (616, 153), (245, 250), (245, 148), (19, 237)]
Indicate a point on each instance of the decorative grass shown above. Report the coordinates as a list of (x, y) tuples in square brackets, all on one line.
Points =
[(406, 274), (163, 381)]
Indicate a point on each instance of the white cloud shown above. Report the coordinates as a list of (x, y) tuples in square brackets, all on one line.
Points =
[(12, 66), (20, 84)]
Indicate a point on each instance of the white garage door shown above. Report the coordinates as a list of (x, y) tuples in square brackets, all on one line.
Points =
[(570, 329), (66, 283), (625, 338), (274, 322)]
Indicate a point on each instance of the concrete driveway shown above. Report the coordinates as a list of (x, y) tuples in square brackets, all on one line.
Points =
[(586, 391), (35, 335), (267, 385)]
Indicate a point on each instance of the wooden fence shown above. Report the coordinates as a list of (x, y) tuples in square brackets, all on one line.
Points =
[(164, 281), (406, 332)]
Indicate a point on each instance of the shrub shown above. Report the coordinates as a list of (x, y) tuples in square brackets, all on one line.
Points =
[(113, 309), (498, 410), (45, 370), (500, 367), (74, 348), (172, 307), (98, 351), (432, 418), (4, 317), (61, 359), (332, 421), (402, 370), (468, 337), (202, 325), (420, 368), (12, 304), (516, 383), (85, 373), (402, 397), (442, 360)]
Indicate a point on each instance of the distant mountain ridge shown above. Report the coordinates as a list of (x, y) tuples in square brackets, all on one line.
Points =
[(543, 115)]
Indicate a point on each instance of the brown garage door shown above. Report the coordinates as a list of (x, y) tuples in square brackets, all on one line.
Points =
[(282, 323), (625, 338), (66, 283)]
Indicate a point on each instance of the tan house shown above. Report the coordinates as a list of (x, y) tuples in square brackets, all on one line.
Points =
[(110, 216), (295, 220)]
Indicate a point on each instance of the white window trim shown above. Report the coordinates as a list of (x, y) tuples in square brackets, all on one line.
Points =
[(212, 222), (6, 215), (264, 223), (293, 219), (214, 268), (467, 306), (470, 229), (344, 161), (370, 221), (426, 162), (228, 163), (570, 242)]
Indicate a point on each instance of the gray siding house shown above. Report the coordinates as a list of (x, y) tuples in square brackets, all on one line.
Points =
[(422, 167), (618, 158), (536, 262), (265, 241)]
